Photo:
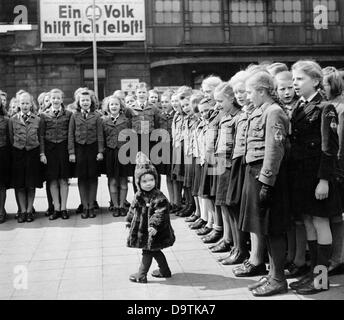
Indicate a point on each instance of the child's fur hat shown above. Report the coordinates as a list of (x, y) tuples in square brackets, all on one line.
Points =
[(144, 166)]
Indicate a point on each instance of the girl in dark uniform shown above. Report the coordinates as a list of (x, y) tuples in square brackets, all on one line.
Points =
[(314, 149), (4, 160)]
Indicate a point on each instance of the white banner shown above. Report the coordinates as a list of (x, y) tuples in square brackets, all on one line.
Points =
[(71, 20)]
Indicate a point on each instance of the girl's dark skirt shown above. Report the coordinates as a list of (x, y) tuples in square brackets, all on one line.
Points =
[(303, 181), (276, 219), (189, 171), (222, 187), (205, 183), (5, 167), (114, 168), (196, 178), (87, 166), (166, 155), (58, 165), (236, 183), (177, 172), (26, 169)]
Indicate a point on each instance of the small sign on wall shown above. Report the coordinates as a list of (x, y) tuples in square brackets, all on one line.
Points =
[(129, 85)]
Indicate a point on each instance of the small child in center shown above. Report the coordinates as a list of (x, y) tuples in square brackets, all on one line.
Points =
[(149, 222)]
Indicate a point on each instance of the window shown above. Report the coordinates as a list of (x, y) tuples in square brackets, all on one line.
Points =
[(168, 11), (250, 12), (88, 81), (205, 11), (332, 9), (286, 11)]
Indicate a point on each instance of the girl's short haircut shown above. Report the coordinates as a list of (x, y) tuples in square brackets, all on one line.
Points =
[(276, 68), (107, 102), (263, 81), (77, 92), (55, 90), (211, 81), (86, 93), (311, 69), (284, 76), (153, 91), (226, 89), (33, 105), (3, 93), (239, 77), (41, 98), (184, 92), (196, 97), (335, 81), (167, 93)]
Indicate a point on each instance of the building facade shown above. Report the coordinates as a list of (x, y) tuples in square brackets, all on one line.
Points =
[(185, 41)]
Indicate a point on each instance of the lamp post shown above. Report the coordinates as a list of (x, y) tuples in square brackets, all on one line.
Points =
[(95, 58)]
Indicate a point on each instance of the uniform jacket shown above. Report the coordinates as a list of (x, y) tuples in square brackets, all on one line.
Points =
[(165, 121), (339, 105), (112, 130), (201, 140), (266, 136), (25, 135), (4, 133), (225, 139), (188, 129), (150, 209), (54, 128), (241, 126), (177, 126), (211, 136), (85, 131), (196, 133), (145, 120), (314, 138)]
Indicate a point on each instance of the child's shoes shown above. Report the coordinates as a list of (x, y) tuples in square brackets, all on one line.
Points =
[(21, 217), (136, 278), (158, 274), (85, 214), (29, 217), (92, 214)]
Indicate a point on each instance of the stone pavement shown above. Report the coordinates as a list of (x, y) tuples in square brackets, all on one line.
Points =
[(88, 259)]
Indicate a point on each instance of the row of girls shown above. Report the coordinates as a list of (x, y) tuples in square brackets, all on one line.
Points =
[(259, 160), (53, 143)]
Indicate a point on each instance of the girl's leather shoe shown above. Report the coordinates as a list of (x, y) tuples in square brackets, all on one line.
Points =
[(92, 214), (250, 270), (222, 247), (192, 218), (64, 214), (49, 212), (310, 288), (198, 224), (55, 215), (212, 237), (203, 231), (85, 214), (305, 279), (136, 278), (123, 212), (270, 288), (158, 274), (235, 258), (21, 217), (116, 212), (259, 283), (29, 217), (293, 271)]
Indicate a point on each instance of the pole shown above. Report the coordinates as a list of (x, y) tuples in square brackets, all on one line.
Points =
[(95, 58)]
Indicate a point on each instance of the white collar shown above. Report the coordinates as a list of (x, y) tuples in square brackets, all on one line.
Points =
[(310, 98), (59, 109), (22, 114)]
